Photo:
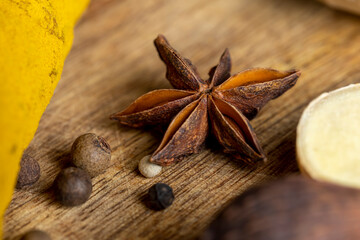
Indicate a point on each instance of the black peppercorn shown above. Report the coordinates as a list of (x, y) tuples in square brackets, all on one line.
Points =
[(160, 196), (35, 235), (29, 171), (72, 186)]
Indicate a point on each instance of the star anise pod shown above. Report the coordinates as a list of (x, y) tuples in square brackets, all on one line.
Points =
[(223, 103)]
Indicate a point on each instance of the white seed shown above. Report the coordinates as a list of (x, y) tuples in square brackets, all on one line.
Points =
[(148, 169)]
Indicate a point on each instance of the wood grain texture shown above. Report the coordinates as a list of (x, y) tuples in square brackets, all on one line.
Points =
[(113, 62)]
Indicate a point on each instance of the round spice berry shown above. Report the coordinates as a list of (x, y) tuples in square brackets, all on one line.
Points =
[(72, 186), (35, 235), (91, 153), (148, 169), (29, 171), (160, 196)]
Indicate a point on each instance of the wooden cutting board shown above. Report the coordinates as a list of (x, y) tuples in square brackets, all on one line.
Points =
[(113, 61)]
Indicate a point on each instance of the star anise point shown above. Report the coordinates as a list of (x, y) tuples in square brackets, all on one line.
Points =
[(221, 105)]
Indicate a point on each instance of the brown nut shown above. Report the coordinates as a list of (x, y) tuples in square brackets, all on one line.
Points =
[(295, 208), (91, 153), (35, 235), (347, 5), (29, 171), (72, 186)]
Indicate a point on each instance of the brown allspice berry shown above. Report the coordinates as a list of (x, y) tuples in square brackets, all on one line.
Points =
[(72, 186), (91, 153), (29, 171), (295, 208), (35, 235)]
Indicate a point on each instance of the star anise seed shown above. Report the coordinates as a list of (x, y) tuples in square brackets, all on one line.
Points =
[(223, 103)]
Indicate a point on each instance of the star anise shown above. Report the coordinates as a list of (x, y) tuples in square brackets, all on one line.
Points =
[(223, 103)]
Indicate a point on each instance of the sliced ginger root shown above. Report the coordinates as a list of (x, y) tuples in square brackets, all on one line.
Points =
[(328, 137)]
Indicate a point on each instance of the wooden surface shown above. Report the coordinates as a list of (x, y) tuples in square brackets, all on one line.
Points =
[(113, 61)]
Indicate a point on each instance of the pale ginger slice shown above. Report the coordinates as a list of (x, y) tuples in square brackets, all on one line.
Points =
[(328, 137)]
